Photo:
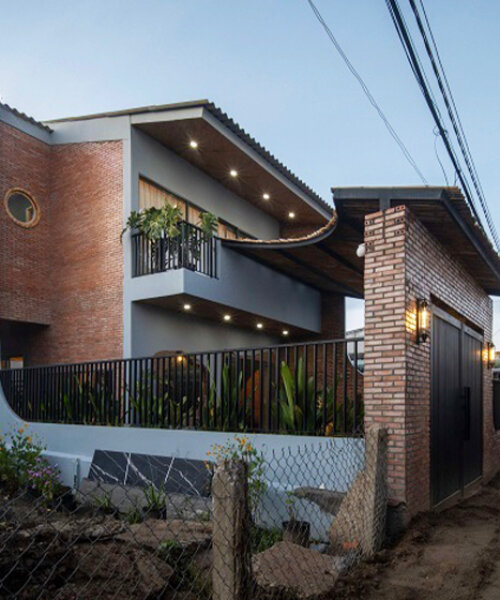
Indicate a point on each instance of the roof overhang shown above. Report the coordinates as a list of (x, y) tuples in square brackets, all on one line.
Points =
[(443, 211), (325, 259), (222, 146)]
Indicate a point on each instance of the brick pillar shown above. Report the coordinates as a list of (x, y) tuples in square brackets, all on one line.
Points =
[(385, 338)]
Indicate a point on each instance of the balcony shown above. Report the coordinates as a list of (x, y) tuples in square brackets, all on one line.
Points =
[(191, 249)]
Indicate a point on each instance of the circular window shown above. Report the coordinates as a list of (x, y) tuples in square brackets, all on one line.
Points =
[(22, 207)]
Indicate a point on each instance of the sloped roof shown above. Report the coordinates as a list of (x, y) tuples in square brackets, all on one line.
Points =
[(25, 117), (221, 116)]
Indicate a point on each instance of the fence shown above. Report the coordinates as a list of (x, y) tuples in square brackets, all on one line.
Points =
[(254, 535), (309, 388), (191, 249)]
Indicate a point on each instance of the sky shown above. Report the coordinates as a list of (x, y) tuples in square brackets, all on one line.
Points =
[(270, 66)]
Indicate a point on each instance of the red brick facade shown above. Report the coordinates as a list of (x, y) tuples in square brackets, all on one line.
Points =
[(403, 262), (67, 271), (24, 264)]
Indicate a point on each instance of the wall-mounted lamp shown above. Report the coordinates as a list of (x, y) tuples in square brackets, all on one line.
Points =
[(423, 320), (489, 355)]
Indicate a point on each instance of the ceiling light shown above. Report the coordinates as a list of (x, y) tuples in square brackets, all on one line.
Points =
[(193, 144), (233, 173), (227, 317), (291, 215), (266, 196), (187, 306), (259, 326), (180, 358), (285, 332)]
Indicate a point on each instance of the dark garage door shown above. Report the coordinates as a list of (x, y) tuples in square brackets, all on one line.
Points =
[(456, 416)]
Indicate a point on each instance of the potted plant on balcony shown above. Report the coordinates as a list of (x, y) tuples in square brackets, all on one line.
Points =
[(194, 239)]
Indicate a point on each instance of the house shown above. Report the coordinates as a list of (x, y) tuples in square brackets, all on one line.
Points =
[(247, 332), (72, 290)]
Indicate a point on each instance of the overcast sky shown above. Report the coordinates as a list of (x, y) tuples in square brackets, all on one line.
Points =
[(270, 66)]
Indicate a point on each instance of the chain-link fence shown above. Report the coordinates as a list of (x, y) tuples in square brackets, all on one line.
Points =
[(283, 525)]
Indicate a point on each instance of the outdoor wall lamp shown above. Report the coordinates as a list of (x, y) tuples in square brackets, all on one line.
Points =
[(423, 320), (489, 355)]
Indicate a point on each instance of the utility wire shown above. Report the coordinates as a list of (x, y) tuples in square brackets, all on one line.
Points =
[(419, 73), (367, 92), (451, 107)]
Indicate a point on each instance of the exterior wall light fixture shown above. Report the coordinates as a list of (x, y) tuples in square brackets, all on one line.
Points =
[(489, 355), (423, 320)]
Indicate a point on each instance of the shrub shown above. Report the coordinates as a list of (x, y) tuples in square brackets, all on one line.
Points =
[(18, 455), (44, 479)]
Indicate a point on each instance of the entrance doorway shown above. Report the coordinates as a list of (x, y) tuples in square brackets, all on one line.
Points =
[(456, 406)]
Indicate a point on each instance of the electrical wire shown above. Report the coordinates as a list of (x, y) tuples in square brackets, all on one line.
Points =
[(367, 92), (419, 73)]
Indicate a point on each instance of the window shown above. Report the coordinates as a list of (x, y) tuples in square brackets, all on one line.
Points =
[(22, 207)]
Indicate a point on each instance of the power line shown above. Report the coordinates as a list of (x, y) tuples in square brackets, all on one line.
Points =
[(367, 92), (453, 114), (419, 73)]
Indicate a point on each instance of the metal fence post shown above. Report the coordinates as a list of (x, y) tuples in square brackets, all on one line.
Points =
[(231, 571)]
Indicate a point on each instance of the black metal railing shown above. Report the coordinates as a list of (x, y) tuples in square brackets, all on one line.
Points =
[(190, 249), (309, 388)]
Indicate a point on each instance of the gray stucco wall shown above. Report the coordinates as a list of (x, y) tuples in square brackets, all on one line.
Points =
[(155, 328), (154, 161), (242, 284)]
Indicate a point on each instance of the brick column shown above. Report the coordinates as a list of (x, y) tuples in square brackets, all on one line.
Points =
[(385, 337)]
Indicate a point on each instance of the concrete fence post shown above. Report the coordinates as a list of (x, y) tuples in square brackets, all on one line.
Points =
[(231, 570), (360, 522)]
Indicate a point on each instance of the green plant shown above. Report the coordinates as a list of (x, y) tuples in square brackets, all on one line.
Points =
[(262, 539), (153, 221), (18, 455), (240, 448), (43, 479), (208, 223), (134, 515), (290, 502), (156, 498), (170, 551), (104, 503)]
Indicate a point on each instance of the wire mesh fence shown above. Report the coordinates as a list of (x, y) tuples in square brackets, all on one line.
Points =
[(281, 525)]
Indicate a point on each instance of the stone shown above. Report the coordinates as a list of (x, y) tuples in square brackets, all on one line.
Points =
[(191, 536), (87, 529), (328, 500), (294, 571)]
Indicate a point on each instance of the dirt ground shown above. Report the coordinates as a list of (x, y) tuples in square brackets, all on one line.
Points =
[(451, 555)]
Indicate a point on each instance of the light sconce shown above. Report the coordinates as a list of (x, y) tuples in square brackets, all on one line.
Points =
[(423, 320), (489, 355)]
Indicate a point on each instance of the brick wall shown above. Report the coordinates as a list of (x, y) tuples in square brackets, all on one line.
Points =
[(24, 253), (68, 269), (403, 262), (86, 254)]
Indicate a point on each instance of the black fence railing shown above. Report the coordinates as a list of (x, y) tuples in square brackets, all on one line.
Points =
[(309, 388), (190, 249)]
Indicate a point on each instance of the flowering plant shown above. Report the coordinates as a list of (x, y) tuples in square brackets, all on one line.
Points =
[(18, 454), (240, 448), (43, 478)]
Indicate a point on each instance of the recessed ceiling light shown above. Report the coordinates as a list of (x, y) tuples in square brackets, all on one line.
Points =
[(233, 173), (227, 317), (187, 306), (193, 144), (291, 215), (260, 325), (285, 332), (266, 196)]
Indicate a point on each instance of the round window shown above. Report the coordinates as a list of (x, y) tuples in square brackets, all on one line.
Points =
[(22, 208)]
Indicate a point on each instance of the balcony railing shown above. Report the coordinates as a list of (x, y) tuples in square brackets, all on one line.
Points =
[(310, 388), (191, 249)]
